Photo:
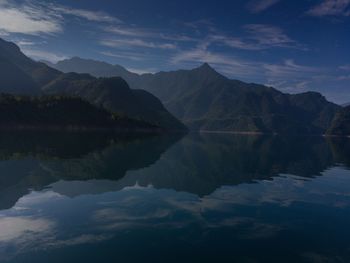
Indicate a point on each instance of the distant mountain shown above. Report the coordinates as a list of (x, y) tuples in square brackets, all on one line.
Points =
[(341, 123), (22, 76), (346, 104), (97, 69), (115, 95), (55, 112), (205, 100), (93, 67)]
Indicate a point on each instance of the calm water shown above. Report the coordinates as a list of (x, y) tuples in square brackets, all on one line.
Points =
[(200, 198)]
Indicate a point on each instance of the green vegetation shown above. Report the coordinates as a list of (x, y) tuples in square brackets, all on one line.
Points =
[(61, 112), (341, 123)]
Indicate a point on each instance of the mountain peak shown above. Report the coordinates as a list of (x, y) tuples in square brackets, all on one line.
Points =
[(206, 66), (206, 69)]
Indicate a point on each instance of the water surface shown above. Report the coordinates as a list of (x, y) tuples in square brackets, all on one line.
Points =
[(201, 198)]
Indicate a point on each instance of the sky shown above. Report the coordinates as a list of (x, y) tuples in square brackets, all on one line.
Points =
[(294, 46)]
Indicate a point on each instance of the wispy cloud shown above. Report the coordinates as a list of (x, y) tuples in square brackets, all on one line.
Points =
[(269, 35), (226, 64), (22, 43), (17, 228), (287, 75), (36, 18), (199, 24), (257, 6), (28, 19), (290, 76), (142, 71), (124, 55), (288, 68), (345, 77), (43, 55), (95, 16), (130, 31), (331, 8), (259, 37), (135, 43), (345, 67)]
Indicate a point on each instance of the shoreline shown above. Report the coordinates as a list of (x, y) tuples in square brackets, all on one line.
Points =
[(269, 134)]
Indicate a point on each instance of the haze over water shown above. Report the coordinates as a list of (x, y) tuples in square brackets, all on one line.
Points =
[(198, 198)]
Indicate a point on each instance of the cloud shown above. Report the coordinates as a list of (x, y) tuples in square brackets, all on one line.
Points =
[(331, 8), (259, 37), (16, 228), (345, 77), (303, 85), (43, 55), (124, 55), (27, 19), (124, 30), (286, 75), (257, 6), (36, 18), (79, 240), (290, 76), (199, 24), (110, 214), (224, 63), (268, 35), (141, 71), (345, 67), (25, 43), (136, 43), (86, 14), (130, 32), (288, 68)]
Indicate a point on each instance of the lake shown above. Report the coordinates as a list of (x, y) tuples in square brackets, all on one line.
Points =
[(88, 197)]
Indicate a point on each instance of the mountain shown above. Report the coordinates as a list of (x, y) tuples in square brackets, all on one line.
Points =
[(93, 67), (206, 100), (97, 69), (341, 123), (115, 95), (38, 73), (14, 80), (345, 104), (22, 76), (55, 112)]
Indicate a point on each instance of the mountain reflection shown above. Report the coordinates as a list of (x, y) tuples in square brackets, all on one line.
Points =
[(201, 164), (31, 161), (73, 163)]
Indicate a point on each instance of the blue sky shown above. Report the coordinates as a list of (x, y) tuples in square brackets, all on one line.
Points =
[(293, 46)]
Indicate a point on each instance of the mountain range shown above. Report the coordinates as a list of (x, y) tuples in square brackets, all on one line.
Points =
[(203, 99), (21, 75)]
